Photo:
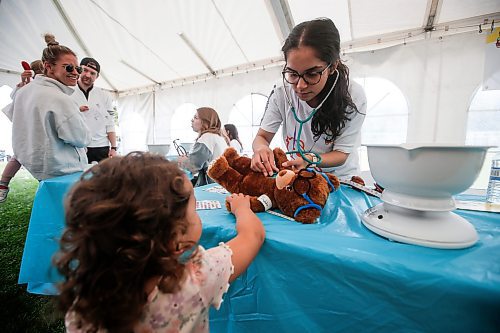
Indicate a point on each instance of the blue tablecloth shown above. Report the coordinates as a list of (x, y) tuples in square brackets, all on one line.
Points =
[(333, 276)]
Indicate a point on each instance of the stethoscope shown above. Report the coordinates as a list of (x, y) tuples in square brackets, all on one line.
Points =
[(305, 195), (301, 122)]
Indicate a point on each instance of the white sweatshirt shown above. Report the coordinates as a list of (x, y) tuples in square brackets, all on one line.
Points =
[(48, 132)]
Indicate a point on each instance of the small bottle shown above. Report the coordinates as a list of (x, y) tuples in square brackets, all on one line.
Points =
[(493, 192)]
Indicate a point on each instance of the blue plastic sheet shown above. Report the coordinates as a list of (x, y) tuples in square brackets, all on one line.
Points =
[(333, 276)]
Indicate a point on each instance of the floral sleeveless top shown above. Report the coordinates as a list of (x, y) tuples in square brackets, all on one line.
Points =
[(186, 310)]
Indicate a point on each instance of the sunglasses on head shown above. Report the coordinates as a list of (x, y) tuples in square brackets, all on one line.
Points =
[(70, 68)]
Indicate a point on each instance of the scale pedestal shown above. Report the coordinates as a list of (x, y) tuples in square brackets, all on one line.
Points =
[(420, 181), (437, 229)]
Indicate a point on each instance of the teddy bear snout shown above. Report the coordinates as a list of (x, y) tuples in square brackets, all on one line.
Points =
[(284, 178)]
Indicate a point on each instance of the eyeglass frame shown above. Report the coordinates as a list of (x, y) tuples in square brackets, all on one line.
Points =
[(301, 76), (69, 68)]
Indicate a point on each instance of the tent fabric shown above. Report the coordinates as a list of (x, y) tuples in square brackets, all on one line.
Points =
[(145, 43), (440, 78), (147, 62)]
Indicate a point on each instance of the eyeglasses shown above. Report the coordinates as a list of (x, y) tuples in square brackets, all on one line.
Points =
[(311, 78), (71, 68)]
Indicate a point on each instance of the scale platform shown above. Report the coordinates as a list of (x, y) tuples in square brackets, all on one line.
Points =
[(443, 229)]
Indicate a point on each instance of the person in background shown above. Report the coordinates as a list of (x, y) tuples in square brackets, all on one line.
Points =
[(210, 144), (13, 164), (97, 108), (48, 131), (132, 260), (314, 81), (234, 139)]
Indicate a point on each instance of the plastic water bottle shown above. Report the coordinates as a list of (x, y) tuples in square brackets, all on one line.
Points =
[(493, 192)]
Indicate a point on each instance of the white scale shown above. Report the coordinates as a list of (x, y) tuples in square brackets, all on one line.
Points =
[(419, 183)]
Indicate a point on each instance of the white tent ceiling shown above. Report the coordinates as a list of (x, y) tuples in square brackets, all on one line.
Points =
[(142, 44)]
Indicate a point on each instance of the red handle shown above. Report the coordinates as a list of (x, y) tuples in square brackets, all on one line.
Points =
[(25, 65)]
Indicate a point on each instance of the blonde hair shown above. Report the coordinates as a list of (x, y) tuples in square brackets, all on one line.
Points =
[(53, 51)]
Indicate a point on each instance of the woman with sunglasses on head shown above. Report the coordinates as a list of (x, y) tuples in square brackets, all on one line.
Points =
[(320, 109), (48, 132)]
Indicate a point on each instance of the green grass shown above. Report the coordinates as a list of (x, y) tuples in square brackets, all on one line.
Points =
[(19, 310)]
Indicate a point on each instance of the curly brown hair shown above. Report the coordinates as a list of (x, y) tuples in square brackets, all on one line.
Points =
[(122, 218)]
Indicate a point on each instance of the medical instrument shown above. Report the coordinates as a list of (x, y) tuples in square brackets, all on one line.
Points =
[(316, 160), (181, 151)]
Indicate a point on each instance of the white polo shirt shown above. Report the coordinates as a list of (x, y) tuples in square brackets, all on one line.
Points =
[(278, 112)]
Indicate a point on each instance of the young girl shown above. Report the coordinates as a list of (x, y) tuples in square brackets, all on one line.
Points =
[(210, 144), (315, 84), (234, 139), (130, 252)]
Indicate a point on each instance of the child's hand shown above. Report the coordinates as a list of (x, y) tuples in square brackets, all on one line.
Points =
[(238, 202)]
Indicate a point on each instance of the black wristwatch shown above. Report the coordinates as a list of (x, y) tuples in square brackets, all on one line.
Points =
[(114, 148)]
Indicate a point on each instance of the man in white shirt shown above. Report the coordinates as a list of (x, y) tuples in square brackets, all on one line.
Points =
[(96, 107)]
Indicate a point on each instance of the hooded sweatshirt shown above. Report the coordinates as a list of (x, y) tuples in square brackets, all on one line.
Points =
[(48, 131)]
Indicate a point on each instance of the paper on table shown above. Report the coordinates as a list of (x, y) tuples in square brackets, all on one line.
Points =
[(217, 189), (477, 205), (208, 204)]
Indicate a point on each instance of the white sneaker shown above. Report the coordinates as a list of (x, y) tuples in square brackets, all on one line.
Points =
[(3, 193)]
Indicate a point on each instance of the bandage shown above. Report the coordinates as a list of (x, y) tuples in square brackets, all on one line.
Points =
[(265, 201)]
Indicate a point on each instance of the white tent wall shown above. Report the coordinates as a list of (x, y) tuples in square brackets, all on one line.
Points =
[(218, 93), (437, 76), (131, 110)]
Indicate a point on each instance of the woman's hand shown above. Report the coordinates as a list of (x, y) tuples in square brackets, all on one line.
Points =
[(297, 164), (182, 161), (263, 161)]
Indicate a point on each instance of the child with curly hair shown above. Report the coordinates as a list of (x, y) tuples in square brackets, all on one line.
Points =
[(130, 254)]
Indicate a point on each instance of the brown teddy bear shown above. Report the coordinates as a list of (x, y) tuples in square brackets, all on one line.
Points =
[(300, 195)]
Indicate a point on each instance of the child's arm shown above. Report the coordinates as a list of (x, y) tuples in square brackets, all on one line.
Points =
[(251, 234)]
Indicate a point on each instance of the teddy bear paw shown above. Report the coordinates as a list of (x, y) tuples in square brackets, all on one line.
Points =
[(217, 167)]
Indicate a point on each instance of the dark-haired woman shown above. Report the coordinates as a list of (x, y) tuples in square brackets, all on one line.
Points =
[(234, 139), (316, 100)]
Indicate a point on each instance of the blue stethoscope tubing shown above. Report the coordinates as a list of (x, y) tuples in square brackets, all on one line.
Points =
[(301, 122)]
